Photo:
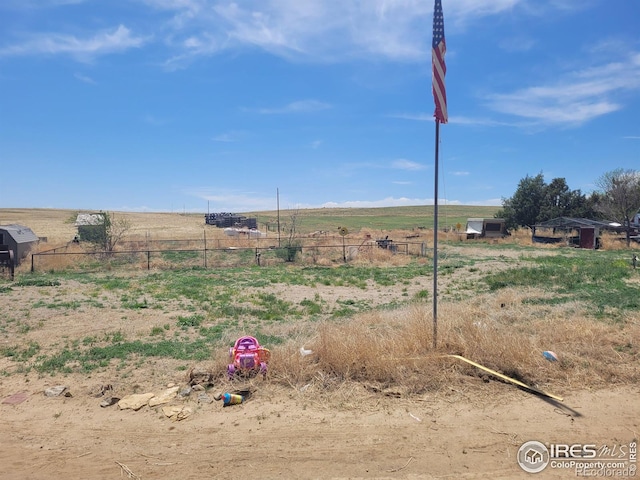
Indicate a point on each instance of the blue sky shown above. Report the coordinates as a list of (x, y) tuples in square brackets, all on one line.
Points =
[(189, 105)]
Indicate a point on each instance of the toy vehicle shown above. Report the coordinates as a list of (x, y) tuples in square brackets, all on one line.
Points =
[(248, 358)]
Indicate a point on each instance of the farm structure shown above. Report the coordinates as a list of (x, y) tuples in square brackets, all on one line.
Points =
[(485, 228), (90, 225), (576, 232), (17, 239), (226, 220)]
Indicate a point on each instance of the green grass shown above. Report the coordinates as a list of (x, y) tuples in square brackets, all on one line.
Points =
[(386, 218), (599, 279), (20, 354), (191, 321), (234, 299), (87, 360), (37, 281), (180, 256)]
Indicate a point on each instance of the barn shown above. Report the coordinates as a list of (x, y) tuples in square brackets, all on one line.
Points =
[(19, 239)]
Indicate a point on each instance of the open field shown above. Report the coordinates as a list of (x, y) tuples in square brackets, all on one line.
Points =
[(374, 399)]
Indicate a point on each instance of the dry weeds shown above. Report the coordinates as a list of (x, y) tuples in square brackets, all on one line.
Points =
[(393, 352)]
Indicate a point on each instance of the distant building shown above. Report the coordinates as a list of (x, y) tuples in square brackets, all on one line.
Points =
[(91, 227), (226, 220), (19, 239), (577, 232), (486, 228)]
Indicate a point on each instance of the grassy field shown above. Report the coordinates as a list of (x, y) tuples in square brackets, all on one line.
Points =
[(384, 219), (58, 225), (109, 329), (503, 302)]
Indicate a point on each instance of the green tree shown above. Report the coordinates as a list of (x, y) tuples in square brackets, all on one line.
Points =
[(523, 208), (535, 201), (560, 201), (619, 197), (108, 233), (292, 245)]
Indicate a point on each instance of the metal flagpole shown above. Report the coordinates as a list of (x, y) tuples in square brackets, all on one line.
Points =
[(435, 243), (439, 69)]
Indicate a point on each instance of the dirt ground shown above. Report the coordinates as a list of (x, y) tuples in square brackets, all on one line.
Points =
[(469, 430), (282, 433)]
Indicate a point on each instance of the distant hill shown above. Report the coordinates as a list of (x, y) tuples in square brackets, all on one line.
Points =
[(384, 218)]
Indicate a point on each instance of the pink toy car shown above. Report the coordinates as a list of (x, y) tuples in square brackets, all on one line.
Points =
[(248, 358)]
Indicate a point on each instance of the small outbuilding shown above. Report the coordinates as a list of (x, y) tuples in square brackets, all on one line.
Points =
[(485, 228), (576, 232), (18, 239), (91, 226)]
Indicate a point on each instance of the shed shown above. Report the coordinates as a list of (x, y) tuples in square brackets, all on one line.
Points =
[(91, 226), (577, 232), (19, 239), (485, 228)]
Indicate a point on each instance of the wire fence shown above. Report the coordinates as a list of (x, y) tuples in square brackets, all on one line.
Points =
[(219, 253)]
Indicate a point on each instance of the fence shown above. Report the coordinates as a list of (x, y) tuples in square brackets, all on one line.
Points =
[(225, 253)]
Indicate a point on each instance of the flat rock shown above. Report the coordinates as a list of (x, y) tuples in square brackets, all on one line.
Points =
[(107, 402), (177, 412), (55, 391), (16, 398), (204, 398), (135, 401), (164, 397)]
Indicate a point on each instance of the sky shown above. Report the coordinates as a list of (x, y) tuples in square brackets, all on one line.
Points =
[(223, 106)]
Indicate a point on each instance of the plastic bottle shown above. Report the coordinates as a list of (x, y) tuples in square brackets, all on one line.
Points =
[(229, 399)]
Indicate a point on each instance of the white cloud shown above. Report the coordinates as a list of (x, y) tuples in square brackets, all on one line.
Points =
[(385, 202), (517, 44), (309, 30), (226, 137), (576, 97), (154, 120), (459, 174), (402, 164), (102, 43), (318, 30), (232, 201), (301, 106), (84, 78)]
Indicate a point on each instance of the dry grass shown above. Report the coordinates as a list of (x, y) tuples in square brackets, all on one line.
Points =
[(392, 351)]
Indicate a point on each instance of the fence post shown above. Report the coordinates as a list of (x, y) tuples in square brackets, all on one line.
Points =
[(148, 259), (32, 269), (205, 248)]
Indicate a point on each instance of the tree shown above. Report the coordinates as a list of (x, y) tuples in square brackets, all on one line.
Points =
[(619, 198), (560, 201), (523, 208), (108, 232), (292, 245), (535, 201)]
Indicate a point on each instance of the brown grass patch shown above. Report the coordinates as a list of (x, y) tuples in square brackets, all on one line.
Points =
[(393, 350)]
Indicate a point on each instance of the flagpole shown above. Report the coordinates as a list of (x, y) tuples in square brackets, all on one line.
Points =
[(435, 242), (439, 70)]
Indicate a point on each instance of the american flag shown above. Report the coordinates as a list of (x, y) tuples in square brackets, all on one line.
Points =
[(438, 49)]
